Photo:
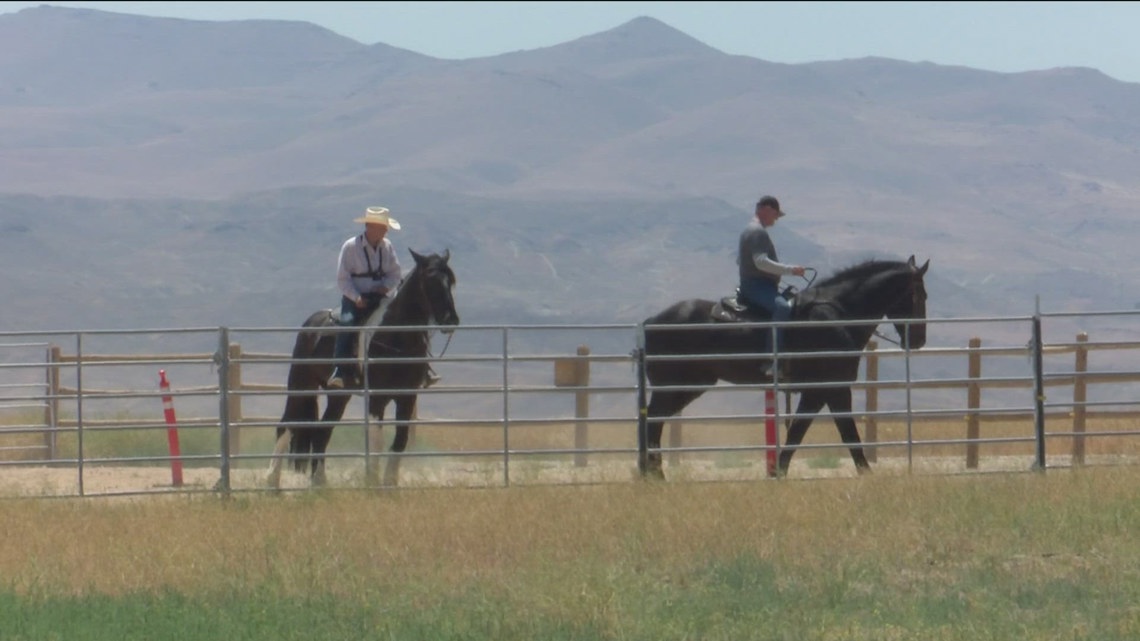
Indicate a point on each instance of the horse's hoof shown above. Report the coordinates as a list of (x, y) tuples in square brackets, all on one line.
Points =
[(653, 473)]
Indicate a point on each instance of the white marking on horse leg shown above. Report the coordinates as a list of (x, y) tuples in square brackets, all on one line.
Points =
[(274, 477), (374, 454)]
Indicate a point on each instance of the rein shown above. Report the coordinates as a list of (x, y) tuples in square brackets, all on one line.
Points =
[(876, 332), (450, 335), (887, 338)]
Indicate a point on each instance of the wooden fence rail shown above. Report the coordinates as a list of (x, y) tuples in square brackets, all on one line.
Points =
[(975, 383)]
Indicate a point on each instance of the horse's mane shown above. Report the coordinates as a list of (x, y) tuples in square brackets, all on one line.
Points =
[(861, 271), (396, 307)]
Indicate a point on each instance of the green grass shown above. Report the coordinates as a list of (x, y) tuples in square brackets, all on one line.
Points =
[(737, 598), (1025, 556)]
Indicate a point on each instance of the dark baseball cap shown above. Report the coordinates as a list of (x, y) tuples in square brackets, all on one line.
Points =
[(770, 201)]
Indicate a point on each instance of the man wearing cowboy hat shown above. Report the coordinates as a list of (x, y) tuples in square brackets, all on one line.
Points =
[(366, 272)]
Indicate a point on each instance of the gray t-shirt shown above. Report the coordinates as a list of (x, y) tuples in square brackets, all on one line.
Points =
[(755, 240)]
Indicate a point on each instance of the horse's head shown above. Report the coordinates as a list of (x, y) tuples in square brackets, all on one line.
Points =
[(911, 305), (437, 285)]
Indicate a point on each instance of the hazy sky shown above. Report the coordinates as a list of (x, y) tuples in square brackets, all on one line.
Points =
[(995, 36)]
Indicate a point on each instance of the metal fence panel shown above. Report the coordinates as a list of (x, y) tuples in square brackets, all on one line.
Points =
[(81, 412)]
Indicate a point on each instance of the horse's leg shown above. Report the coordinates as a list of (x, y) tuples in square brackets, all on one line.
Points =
[(302, 446), (298, 409), (372, 456), (662, 405), (839, 401), (811, 401), (405, 411), (376, 408), (273, 480), (320, 437)]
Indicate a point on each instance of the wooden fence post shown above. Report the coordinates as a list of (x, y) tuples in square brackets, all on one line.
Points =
[(581, 405), (973, 403), (233, 401), (1080, 394), (51, 409), (872, 402), (576, 373)]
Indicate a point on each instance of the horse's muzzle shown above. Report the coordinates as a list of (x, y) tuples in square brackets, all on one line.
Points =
[(448, 325)]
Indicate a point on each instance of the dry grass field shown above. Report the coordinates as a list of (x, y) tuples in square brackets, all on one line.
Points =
[(957, 558), (921, 549)]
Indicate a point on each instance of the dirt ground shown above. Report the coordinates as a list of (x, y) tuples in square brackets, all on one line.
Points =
[(31, 480)]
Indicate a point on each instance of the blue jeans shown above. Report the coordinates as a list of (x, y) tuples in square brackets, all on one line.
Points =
[(352, 316), (766, 294)]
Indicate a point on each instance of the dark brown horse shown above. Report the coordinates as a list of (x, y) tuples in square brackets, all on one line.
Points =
[(424, 298), (869, 291)]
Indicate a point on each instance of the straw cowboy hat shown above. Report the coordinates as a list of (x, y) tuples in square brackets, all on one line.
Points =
[(378, 216)]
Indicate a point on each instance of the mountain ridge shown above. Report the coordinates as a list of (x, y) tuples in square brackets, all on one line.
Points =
[(1013, 185)]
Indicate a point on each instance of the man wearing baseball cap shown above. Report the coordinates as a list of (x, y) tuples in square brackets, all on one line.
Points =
[(760, 269)]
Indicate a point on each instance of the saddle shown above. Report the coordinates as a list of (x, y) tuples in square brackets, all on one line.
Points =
[(733, 309), (374, 318)]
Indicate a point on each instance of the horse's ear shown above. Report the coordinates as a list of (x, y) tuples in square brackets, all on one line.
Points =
[(446, 254), (914, 265), (419, 258)]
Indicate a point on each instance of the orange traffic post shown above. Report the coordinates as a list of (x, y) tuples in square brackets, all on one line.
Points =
[(770, 429), (171, 430)]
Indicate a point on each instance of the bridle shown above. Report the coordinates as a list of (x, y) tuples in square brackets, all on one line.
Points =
[(913, 290), (425, 302)]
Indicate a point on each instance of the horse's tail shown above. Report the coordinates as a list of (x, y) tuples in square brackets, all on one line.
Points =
[(298, 409), (303, 408)]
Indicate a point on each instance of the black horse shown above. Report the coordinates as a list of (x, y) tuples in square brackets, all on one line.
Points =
[(868, 291), (424, 298)]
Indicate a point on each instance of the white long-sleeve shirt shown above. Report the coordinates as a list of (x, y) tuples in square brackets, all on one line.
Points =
[(767, 265), (357, 262)]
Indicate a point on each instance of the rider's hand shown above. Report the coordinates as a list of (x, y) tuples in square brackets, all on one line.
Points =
[(798, 270)]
